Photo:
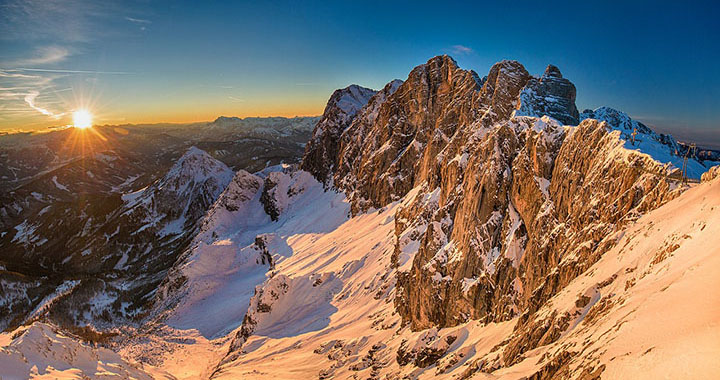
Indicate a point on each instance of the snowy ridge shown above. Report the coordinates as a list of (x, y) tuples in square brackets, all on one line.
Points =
[(176, 201), (241, 243), (320, 156), (272, 126), (662, 148), (353, 99)]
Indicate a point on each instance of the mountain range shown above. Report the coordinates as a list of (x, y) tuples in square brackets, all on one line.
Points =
[(448, 225)]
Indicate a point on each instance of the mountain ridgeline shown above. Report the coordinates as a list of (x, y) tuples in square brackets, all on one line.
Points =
[(511, 193), (449, 225)]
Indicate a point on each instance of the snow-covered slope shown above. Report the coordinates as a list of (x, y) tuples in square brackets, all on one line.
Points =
[(635, 314), (41, 351), (120, 254), (240, 242), (326, 312), (662, 148)]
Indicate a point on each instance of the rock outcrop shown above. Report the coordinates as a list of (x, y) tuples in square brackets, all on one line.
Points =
[(506, 205), (550, 94), (321, 153), (711, 174)]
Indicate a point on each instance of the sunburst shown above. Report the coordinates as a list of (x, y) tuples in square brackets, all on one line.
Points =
[(82, 119)]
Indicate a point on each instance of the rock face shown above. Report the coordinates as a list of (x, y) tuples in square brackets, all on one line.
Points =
[(551, 94), (321, 152), (711, 174), (506, 204), (385, 155)]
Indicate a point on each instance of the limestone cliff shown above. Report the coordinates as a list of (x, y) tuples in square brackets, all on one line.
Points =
[(506, 203)]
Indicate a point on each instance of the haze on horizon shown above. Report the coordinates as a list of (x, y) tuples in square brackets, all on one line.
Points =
[(165, 61)]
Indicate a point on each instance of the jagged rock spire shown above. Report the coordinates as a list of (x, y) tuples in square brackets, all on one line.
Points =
[(321, 153)]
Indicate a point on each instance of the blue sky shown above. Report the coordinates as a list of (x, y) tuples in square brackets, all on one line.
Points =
[(151, 61)]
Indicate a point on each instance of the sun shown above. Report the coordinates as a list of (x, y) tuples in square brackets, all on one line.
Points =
[(82, 119)]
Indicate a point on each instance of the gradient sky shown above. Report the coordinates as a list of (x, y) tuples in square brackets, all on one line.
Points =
[(153, 61)]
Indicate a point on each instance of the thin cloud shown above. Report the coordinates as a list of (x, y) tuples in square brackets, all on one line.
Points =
[(234, 99), (30, 100), (64, 20), (138, 20), (45, 55), (649, 117), (64, 71), (461, 50), (15, 74), (62, 90)]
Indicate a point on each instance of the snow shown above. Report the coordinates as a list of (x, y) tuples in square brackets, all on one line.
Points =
[(26, 234), (222, 271), (514, 245), (195, 176), (325, 305), (661, 148), (41, 351), (127, 182), (639, 338), (354, 98)]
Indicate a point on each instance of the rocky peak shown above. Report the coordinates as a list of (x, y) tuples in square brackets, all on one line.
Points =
[(186, 191), (393, 145), (422, 114), (322, 151), (550, 95), (501, 88), (711, 174), (552, 71), (502, 192)]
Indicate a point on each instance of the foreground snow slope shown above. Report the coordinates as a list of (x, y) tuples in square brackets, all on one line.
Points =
[(42, 352), (647, 309)]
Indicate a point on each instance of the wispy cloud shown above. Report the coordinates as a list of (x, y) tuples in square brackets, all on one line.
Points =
[(138, 20), (25, 94), (15, 74), (461, 50), (59, 20), (30, 100), (67, 71), (237, 100), (36, 76), (44, 56)]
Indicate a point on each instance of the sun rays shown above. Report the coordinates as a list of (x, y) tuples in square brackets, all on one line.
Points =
[(82, 119)]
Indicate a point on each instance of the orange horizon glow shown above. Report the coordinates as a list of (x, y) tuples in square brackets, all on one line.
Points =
[(181, 117)]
